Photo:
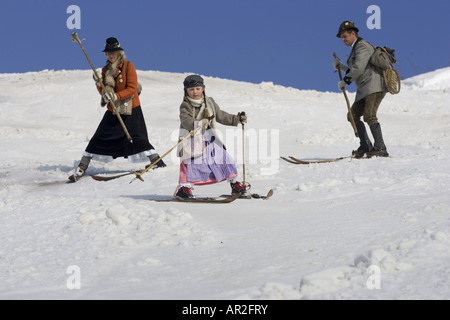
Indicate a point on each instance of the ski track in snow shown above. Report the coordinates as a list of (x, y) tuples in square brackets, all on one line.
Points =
[(321, 236)]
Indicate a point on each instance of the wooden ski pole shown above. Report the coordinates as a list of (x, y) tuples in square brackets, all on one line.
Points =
[(352, 120), (243, 155), (246, 184), (115, 111)]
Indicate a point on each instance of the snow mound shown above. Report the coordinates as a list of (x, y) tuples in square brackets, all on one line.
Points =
[(371, 268), (435, 80)]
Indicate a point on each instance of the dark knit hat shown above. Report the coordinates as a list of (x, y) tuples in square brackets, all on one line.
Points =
[(111, 45), (345, 26), (193, 81)]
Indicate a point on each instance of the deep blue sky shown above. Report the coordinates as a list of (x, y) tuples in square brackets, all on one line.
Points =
[(288, 42)]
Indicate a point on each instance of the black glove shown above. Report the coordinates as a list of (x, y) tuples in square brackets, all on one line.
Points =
[(154, 157)]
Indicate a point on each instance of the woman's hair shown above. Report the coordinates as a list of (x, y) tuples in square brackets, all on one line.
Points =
[(121, 56)]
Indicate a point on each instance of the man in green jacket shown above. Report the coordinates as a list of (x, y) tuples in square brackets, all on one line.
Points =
[(370, 86)]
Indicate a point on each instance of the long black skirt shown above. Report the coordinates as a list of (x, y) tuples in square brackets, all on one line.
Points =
[(110, 138)]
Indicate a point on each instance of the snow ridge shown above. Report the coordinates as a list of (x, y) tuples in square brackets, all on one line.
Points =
[(434, 80)]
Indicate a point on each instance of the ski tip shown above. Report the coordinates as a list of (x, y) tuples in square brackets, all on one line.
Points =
[(268, 195), (263, 197)]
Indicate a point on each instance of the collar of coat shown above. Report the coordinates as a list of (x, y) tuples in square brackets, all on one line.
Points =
[(355, 43)]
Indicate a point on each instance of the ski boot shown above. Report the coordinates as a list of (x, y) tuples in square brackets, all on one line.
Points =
[(185, 193), (238, 187), (379, 148), (365, 145), (359, 153), (79, 172)]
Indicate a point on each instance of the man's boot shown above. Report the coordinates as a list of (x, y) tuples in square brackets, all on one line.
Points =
[(365, 145), (379, 148)]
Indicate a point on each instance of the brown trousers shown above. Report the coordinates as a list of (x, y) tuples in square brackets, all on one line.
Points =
[(367, 108)]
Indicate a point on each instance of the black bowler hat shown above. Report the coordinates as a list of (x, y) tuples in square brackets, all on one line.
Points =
[(346, 25), (193, 81), (111, 45)]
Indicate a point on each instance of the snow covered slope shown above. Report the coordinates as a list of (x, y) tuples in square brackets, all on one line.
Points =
[(353, 229), (435, 80)]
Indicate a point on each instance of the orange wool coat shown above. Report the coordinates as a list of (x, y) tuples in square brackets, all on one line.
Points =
[(126, 83)]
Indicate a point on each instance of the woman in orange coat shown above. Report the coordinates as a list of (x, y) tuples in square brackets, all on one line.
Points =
[(120, 85)]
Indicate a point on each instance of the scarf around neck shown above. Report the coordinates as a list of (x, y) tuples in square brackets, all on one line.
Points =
[(196, 103), (110, 74), (203, 112)]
